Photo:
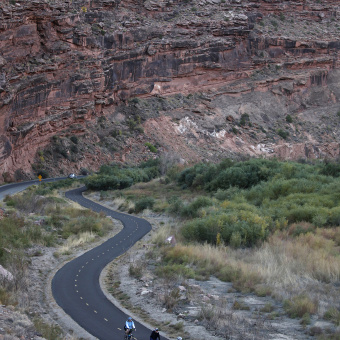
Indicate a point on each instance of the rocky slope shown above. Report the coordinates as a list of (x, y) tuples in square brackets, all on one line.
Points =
[(88, 82)]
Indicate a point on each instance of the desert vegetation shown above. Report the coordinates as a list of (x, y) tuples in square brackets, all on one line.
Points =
[(118, 177), (38, 218), (270, 228)]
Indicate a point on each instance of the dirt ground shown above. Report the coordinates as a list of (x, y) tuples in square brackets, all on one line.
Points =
[(147, 293)]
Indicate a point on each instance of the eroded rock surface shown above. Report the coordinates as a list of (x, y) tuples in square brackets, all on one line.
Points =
[(98, 69)]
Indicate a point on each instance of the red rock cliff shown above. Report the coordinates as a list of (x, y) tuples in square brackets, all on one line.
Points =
[(92, 69)]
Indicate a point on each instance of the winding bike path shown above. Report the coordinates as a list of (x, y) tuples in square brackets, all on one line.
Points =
[(76, 288)]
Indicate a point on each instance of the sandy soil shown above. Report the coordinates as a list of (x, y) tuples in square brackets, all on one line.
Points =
[(148, 293)]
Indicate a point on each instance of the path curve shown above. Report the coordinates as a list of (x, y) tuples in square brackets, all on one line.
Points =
[(76, 287)]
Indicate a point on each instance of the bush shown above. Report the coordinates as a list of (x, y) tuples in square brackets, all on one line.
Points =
[(46, 330), (136, 270), (244, 174), (289, 119), (243, 228), (144, 203), (175, 205), (43, 173), (171, 271), (333, 314), (17, 234), (244, 119), (300, 305), (283, 134), (74, 139), (305, 320), (331, 169), (151, 147), (191, 210), (171, 299), (115, 178), (81, 225)]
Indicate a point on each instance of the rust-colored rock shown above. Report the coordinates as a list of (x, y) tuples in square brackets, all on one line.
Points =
[(84, 68)]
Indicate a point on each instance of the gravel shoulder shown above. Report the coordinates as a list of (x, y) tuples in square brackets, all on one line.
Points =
[(146, 293)]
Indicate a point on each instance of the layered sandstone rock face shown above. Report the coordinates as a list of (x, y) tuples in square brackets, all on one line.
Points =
[(84, 83)]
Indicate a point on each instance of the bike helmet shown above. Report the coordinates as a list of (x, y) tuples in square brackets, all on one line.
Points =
[(179, 338), (129, 318), (156, 329)]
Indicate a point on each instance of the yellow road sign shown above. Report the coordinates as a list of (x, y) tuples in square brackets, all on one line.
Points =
[(40, 177)]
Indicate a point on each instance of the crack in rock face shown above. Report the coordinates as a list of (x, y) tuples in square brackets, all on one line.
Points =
[(101, 71)]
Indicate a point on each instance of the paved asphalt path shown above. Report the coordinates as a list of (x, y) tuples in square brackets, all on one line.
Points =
[(10, 189), (75, 286)]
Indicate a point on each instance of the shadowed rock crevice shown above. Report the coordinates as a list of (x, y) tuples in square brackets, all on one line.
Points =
[(68, 63)]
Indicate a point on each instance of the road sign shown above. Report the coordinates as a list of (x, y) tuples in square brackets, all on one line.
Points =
[(40, 177)]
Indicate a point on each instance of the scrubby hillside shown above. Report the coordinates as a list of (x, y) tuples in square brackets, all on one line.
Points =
[(84, 83)]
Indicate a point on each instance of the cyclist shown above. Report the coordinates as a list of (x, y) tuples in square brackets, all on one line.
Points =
[(129, 326), (155, 335)]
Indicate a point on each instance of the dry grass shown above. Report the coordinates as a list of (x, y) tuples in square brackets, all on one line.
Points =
[(158, 190), (123, 204), (229, 324), (75, 241), (161, 235), (285, 262), (285, 267), (300, 305)]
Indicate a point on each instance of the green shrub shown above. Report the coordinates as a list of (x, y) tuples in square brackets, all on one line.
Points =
[(268, 308), (171, 299), (248, 228), (191, 210), (43, 173), (229, 274), (115, 177), (74, 139), (289, 119), (283, 134), (331, 169), (170, 271), (245, 120), (299, 214), (144, 203), (7, 297), (235, 239), (274, 23), (17, 234), (305, 320), (300, 305), (240, 305), (234, 130), (136, 270), (175, 205), (151, 147), (81, 225), (46, 330), (333, 315)]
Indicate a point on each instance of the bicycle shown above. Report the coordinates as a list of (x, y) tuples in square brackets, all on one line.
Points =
[(129, 337)]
